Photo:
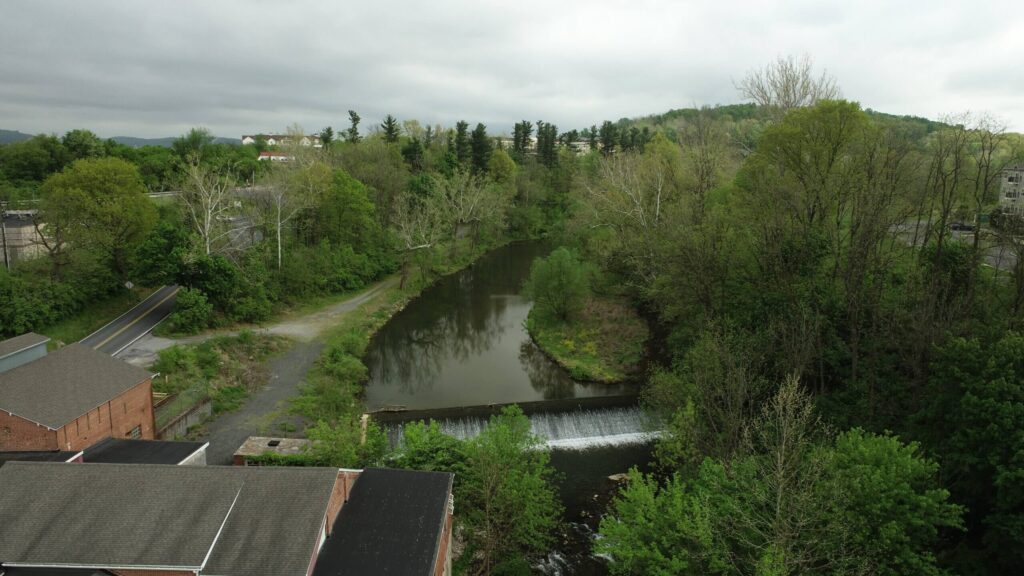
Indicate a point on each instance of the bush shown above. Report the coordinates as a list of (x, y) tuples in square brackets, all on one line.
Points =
[(192, 312)]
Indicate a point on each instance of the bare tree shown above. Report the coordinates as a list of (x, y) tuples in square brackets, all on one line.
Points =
[(419, 224), (209, 202), (470, 201), (788, 83), (291, 192)]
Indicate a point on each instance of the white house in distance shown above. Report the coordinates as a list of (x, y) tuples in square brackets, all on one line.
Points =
[(281, 140), (1011, 197)]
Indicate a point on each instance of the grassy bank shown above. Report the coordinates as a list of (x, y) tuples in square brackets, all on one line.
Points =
[(94, 316), (604, 342), (224, 370), (332, 395)]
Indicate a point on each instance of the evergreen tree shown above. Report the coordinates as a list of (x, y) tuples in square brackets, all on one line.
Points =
[(592, 137), (463, 148), (481, 149), (608, 136), (352, 134), (413, 154), (428, 137), (390, 129), (327, 137)]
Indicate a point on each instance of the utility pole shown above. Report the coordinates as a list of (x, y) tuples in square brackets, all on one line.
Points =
[(3, 233)]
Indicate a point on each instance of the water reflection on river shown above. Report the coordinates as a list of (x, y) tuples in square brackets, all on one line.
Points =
[(463, 343)]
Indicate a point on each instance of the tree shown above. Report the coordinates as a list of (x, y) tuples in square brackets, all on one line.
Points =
[(510, 505), (327, 137), (191, 147), (463, 147), (558, 284), (389, 127), (608, 136), (501, 167), (469, 201), (352, 134), (208, 200), (83, 144), (788, 83), (289, 195), (481, 149), (413, 154), (100, 205), (419, 221)]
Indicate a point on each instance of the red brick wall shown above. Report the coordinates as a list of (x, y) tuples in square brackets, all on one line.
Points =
[(442, 567), (115, 418), (339, 495), (19, 434)]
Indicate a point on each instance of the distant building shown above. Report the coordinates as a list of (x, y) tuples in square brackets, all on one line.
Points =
[(20, 237), (1011, 196), (71, 398), (21, 350), (282, 140), (275, 157), (125, 451)]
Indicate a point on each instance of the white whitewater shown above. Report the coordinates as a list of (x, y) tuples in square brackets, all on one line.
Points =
[(578, 429)]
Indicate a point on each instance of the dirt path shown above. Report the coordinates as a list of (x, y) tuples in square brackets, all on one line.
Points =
[(305, 328), (264, 413)]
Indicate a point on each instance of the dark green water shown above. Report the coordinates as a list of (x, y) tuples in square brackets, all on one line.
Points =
[(463, 343)]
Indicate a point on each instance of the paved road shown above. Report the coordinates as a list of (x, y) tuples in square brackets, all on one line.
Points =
[(135, 323)]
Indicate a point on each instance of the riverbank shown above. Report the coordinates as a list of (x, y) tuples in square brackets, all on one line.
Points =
[(603, 343)]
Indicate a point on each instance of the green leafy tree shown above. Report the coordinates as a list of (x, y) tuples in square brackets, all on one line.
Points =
[(195, 146), (99, 205), (192, 312), (558, 284), (83, 144), (501, 167), (389, 128), (511, 506)]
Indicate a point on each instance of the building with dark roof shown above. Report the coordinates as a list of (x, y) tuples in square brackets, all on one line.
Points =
[(124, 451), (21, 350), (132, 519), (43, 456), (395, 523), (72, 398)]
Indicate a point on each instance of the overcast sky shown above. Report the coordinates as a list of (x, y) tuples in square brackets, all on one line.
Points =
[(147, 68)]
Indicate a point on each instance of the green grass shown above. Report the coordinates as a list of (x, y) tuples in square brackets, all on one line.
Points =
[(603, 343), (94, 317)]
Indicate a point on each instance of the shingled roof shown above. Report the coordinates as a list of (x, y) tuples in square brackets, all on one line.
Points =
[(65, 384), (391, 525), (19, 343), (221, 520)]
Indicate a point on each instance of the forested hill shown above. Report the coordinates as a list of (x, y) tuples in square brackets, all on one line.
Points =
[(12, 136)]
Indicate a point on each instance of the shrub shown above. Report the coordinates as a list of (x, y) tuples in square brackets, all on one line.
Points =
[(192, 312)]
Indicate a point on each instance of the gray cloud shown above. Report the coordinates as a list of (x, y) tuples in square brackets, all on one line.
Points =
[(158, 68)]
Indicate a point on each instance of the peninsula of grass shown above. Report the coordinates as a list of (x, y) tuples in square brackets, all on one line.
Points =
[(603, 342)]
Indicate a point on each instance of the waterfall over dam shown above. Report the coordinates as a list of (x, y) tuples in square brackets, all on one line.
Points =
[(572, 429)]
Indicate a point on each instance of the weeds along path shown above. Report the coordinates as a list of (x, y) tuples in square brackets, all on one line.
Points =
[(305, 328)]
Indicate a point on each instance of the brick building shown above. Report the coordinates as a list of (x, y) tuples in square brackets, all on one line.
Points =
[(72, 398)]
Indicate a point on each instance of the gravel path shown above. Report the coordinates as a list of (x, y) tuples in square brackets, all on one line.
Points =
[(265, 412), (304, 328)]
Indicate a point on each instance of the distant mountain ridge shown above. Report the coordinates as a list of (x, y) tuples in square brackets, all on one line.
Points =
[(10, 136)]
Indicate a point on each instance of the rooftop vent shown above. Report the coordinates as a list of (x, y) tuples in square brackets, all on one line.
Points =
[(273, 443)]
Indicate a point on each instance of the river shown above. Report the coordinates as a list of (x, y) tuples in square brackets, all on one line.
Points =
[(461, 349)]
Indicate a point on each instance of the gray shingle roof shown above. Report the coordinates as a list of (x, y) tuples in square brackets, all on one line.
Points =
[(65, 384), (19, 343), (152, 515)]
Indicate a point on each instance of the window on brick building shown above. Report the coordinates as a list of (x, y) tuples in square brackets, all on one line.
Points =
[(135, 433)]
